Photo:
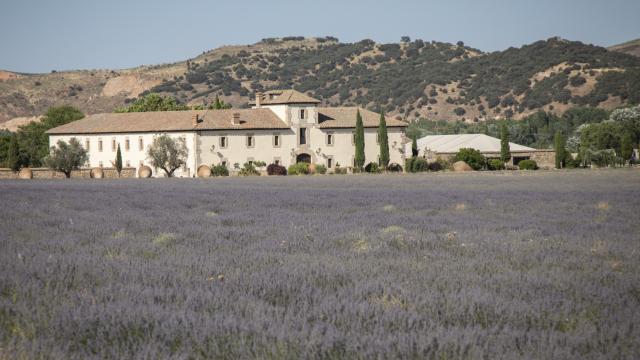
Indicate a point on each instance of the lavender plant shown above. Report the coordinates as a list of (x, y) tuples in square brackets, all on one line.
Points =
[(536, 265)]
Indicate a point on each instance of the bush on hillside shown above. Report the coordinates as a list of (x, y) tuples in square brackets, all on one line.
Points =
[(248, 169), (528, 165), (419, 165)]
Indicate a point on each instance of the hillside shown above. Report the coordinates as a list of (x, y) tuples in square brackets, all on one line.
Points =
[(409, 80), (630, 47)]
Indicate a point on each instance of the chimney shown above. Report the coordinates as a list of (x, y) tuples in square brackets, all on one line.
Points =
[(236, 119), (258, 99), (195, 119)]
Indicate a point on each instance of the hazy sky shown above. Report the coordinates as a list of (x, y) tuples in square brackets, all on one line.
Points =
[(43, 35)]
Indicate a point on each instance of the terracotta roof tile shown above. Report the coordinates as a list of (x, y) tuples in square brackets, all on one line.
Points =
[(276, 97), (345, 117), (161, 121)]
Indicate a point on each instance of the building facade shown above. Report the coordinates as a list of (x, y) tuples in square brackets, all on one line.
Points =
[(282, 127)]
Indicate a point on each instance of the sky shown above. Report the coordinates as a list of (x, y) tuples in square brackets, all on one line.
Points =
[(46, 35)]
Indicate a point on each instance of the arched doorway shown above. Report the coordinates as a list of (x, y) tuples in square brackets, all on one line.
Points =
[(303, 157)]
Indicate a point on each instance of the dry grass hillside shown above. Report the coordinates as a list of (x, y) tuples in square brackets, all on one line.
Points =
[(408, 80), (630, 47)]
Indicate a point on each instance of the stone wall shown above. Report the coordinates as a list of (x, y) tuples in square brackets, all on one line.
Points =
[(46, 173), (546, 159)]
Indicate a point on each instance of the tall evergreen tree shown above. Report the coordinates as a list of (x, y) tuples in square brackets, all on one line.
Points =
[(359, 157), (383, 139), (118, 161), (13, 153), (414, 145), (559, 147), (505, 151)]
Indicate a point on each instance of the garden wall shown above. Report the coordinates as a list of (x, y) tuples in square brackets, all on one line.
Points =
[(46, 173)]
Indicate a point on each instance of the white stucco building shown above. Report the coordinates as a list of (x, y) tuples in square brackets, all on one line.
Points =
[(282, 127)]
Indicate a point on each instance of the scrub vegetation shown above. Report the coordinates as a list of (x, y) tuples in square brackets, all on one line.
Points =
[(483, 265)]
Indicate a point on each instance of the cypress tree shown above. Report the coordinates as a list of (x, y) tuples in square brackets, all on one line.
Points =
[(359, 158), (13, 153), (118, 161), (505, 151), (414, 145), (383, 139), (559, 147)]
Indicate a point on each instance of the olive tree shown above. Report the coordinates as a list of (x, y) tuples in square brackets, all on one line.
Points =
[(66, 157), (168, 153)]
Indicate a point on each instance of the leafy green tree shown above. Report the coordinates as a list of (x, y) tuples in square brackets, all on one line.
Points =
[(167, 153), (13, 154), (414, 145), (219, 104), (118, 162), (626, 147), (560, 149), (153, 102), (505, 151), (32, 138), (383, 139), (472, 157), (359, 157), (66, 157)]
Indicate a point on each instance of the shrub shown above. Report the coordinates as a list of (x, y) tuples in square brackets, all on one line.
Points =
[(321, 169), (472, 157), (300, 168), (495, 164), (249, 170), (419, 165), (393, 167), (340, 170), (435, 166), (372, 168), (408, 164), (275, 169), (528, 165), (219, 170)]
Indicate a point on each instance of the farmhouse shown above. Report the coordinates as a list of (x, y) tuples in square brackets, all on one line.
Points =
[(282, 127), (446, 147)]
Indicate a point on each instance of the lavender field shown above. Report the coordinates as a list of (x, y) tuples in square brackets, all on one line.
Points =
[(519, 265)]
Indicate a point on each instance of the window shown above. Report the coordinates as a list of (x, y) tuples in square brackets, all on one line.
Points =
[(303, 136), (250, 141), (224, 163), (126, 144), (250, 161), (353, 138), (140, 143), (113, 144), (276, 161), (329, 163), (302, 113), (223, 142), (100, 144), (276, 140), (377, 138), (330, 139), (87, 144)]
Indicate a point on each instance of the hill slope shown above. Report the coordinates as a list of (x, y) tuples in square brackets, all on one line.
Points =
[(408, 80), (630, 47)]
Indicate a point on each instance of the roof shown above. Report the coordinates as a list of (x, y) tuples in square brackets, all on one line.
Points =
[(345, 117), (453, 143), (162, 121), (276, 97)]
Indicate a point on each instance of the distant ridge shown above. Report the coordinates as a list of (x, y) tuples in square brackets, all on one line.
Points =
[(630, 47), (409, 80)]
